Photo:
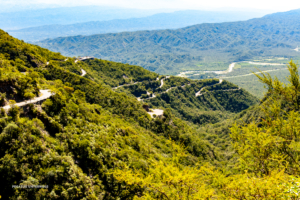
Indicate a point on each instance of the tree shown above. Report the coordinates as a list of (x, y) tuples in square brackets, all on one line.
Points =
[(168, 179)]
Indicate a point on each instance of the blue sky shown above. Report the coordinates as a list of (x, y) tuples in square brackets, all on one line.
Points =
[(173, 4)]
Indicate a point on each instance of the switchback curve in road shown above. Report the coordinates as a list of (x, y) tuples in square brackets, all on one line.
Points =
[(199, 93), (45, 94), (83, 72)]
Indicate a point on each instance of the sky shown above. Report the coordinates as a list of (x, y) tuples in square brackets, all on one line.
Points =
[(173, 4)]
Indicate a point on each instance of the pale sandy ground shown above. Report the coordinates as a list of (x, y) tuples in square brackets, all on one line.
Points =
[(156, 112), (45, 94)]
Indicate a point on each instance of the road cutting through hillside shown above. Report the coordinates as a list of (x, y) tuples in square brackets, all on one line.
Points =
[(199, 93), (223, 90), (83, 72), (125, 85), (45, 94), (139, 98), (162, 81), (157, 79)]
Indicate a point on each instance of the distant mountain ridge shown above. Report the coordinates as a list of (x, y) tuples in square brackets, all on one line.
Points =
[(67, 15), (173, 20), (171, 51)]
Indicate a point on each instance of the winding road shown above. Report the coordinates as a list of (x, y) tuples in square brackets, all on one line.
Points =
[(230, 68), (45, 94), (157, 79), (83, 72), (125, 85), (199, 93), (162, 81)]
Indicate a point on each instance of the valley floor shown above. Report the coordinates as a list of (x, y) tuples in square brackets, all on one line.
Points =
[(238, 73)]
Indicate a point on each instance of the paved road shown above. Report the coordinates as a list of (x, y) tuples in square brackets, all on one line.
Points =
[(83, 72), (125, 85), (139, 98), (45, 94), (161, 83), (199, 93)]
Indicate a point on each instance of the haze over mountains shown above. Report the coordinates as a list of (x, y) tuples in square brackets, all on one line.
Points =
[(171, 51), (173, 20), (67, 15)]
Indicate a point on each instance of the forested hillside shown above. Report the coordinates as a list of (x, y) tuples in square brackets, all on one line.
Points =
[(218, 102), (72, 142), (90, 140), (172, 51)]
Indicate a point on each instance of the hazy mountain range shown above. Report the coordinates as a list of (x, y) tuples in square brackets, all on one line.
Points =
[(67, 15), (173, 20), (170, 51)]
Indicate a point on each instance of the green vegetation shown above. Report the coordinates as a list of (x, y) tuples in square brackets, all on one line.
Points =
[(73, 141), (256, 88), (89, 142), (217, 103), (174, 51), (115, 74), (267, 153)]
